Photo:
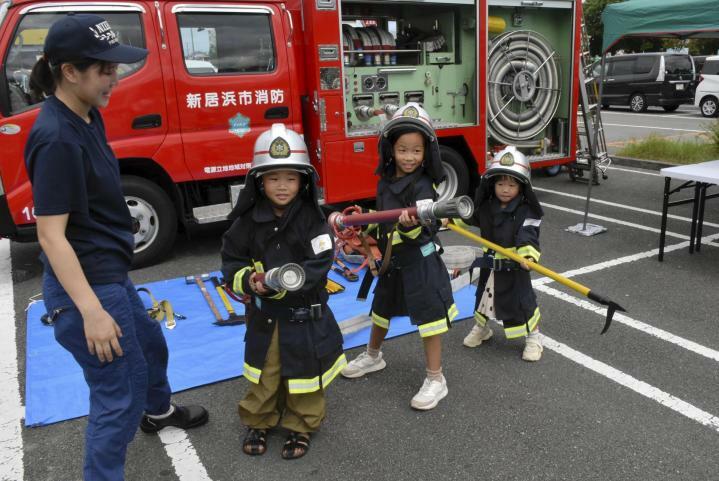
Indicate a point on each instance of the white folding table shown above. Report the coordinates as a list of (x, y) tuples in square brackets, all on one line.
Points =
[(700, 177)]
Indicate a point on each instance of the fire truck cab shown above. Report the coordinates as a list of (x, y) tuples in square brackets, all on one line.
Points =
[(183, 121)]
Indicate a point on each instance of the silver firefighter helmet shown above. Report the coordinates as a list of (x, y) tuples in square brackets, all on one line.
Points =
[(510, 161), (410, 118), (410, 114), (280, 148)]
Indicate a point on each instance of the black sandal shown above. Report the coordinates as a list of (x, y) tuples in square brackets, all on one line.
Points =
[(296, 445), (255, 442)]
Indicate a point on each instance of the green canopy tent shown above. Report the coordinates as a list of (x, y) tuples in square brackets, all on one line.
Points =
[(660, 18)]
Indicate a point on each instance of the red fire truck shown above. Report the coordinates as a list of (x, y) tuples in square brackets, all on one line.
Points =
[(183, 121)]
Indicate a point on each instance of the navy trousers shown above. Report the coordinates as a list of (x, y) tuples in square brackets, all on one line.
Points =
[(121, 390)]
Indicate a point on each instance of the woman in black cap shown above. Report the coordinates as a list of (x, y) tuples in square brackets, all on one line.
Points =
[(85, 231)]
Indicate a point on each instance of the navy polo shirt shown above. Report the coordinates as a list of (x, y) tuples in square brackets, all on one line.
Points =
[(73, 171)]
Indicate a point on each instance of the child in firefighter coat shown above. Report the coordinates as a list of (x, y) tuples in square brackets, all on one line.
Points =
[(413, 280), (508, 213), (293, 345)]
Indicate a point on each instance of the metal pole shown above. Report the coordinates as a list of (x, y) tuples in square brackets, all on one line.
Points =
[(593, 143)]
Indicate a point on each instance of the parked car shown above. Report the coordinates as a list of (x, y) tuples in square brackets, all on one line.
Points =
[(699, 62), (706, 96), (648, 79)]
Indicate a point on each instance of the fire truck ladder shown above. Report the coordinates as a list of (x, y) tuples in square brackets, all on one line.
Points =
[(592, 142), (592, 153)]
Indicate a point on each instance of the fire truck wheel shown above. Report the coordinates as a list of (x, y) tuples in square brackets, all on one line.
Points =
[(457, 181), (552, 170), (154, 221)]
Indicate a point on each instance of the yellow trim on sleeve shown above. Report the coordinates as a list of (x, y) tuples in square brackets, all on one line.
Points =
[(529, 251), (413, 234), (237, 281), (278, 296)]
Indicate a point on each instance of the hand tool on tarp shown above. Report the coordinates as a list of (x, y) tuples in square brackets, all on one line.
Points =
[(344, 271), (200, 281), (612, 306), (161, 310), (333, 287), (234, 318), (348, 224)]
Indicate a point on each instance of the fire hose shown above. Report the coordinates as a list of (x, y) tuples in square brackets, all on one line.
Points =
[(289, 277), (347, 224), (524, 86)]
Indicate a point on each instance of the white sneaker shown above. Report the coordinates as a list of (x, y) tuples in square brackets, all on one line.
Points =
[(431, 393), (533, 348), (363, 364), (477, 335)]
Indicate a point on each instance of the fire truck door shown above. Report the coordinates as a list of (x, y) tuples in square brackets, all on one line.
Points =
[(135, 123), (232, 81)]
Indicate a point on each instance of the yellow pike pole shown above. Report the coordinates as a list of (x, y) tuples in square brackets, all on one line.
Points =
[(585, 291)]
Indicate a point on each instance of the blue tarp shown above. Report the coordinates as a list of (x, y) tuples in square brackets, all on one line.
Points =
[(200, 352)]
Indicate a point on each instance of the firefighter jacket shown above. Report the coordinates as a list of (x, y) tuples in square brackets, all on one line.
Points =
[(416, 282), (310, 345), (515, 227)]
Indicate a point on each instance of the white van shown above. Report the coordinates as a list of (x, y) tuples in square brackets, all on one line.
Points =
[(706, 96)]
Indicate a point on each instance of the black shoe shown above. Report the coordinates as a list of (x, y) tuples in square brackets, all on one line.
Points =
[(184, 417)]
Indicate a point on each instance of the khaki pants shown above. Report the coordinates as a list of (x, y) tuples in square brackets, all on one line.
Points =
[(269, 402)]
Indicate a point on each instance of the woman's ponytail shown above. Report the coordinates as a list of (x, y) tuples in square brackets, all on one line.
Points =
[(44, 78)]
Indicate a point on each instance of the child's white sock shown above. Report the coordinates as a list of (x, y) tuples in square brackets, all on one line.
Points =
[(434, 375), (373, 353)]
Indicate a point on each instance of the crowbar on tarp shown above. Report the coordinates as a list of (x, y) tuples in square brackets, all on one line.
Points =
[(612, 306)]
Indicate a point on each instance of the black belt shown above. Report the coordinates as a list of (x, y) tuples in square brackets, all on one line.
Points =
[(491, 262), (291, 314)]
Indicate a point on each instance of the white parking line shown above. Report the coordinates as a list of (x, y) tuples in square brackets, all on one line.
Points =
[(643, 172), (708, 240), (610, 263), (621, 206), (11, 408), (615, 221), (185, 460), (654, 116), (633, 323), (647, 390), (652, 127)]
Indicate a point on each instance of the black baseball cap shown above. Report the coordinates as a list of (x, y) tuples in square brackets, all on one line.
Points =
[(80, 36)]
